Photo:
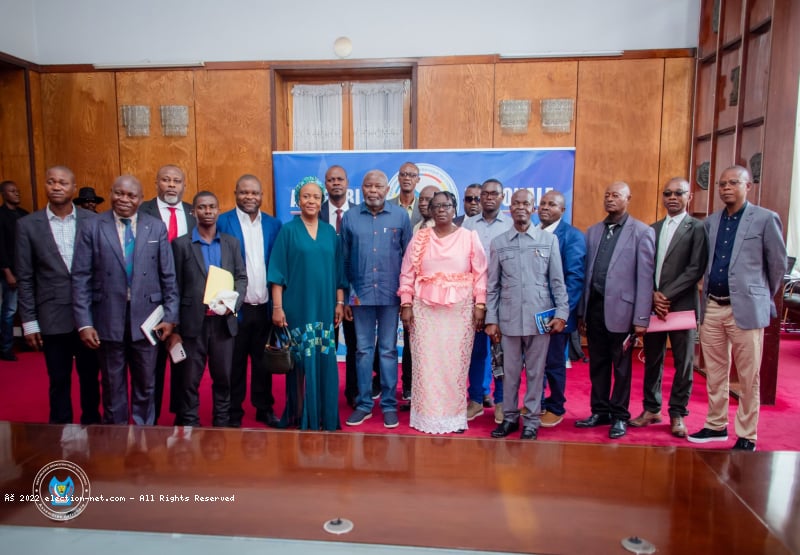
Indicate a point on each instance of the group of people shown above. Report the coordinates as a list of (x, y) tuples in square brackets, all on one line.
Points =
[(459, 285)]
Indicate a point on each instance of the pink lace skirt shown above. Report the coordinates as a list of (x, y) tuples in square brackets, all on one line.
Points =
[(441, 348)]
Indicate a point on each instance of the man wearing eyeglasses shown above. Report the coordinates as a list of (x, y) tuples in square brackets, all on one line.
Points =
[(681, 256), (617, 298), (472, 203), (746, 265), (408, 178), (489, 223)]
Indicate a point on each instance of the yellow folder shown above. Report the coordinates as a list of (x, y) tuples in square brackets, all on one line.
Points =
[(217, 280)]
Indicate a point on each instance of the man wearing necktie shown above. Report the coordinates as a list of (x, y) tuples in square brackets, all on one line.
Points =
[(617, 298), (681, 257), (177, 216), (124, 272)]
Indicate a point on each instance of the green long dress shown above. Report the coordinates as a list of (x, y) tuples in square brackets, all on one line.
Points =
[(310, 271)]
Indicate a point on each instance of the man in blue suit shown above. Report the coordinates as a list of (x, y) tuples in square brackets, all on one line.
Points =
[(617, 298), (256, 232), (572, 246), (125, 271), (746, 265)]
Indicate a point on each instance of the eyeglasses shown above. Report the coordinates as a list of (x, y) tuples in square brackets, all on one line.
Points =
[(731, 182), (490, 194), (472, 199), (523, 203), (678, 194), (441, 206), (408, 174)]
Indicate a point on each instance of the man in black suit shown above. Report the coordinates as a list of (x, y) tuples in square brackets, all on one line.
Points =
[(177, 216), (45, 249), (10, 212), (207, 334), (333, 211), (681, 257)]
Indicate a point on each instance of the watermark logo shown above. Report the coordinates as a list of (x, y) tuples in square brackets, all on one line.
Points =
[(61, 490)]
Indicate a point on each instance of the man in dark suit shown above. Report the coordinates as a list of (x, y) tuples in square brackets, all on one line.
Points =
[(746, 265), (207, 334), (256, 232), (124, 272), (177, 216), (10, 212), (572, 247), (617, 298), (332, 212), (681, 257), (45, 250)]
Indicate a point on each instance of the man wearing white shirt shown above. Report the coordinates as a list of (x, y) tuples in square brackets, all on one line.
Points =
[(681, 257), (256, 232), (169, 207)]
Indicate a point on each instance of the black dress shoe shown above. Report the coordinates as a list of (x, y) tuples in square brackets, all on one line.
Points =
[(529, 433), (618, 429), (268, 418), (505, 428), (594, 420)]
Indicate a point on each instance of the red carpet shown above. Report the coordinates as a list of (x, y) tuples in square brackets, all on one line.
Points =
[(24, 399)]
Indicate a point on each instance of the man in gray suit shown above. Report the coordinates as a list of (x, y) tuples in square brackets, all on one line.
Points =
[(124, 272), (525, 278), (408, 178), (681, 257), (617, 298), (208, 337), (746, 265), (169, 207), (45, 250)]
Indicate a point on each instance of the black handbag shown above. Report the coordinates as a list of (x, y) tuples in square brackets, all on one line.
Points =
[(278, 357)]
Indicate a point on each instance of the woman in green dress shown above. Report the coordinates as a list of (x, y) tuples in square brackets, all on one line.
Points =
[(307, 278)]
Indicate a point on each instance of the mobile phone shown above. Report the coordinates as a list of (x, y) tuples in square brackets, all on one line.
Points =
[(627, 343), (177, 353)]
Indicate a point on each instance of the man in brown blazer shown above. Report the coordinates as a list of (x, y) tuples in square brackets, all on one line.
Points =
[(681, 257)]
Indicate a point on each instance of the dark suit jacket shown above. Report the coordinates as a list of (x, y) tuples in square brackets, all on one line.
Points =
[(572, 246), (150, 207), (8, 225), (228, 222), (99, 283), (684, 263), (757, 267), (629, 283), (191, 274), (323, 213), (43, 280)]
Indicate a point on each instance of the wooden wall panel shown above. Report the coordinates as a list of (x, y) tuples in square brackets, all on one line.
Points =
[(618, 135), (233, 132), (79, 119), (455, 106), (534, 81), (142, 156), (37, 119), (676, 121), (14, 153)]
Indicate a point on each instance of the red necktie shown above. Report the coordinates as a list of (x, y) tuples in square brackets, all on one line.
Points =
[(172, 230), (338, 221)]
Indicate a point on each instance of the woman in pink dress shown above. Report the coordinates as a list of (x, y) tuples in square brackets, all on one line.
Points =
[(442, 295)]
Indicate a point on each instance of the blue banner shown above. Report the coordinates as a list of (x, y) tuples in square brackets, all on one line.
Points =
[(539, 170)]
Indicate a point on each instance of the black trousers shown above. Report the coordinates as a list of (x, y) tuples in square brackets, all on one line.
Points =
[(175, 382), (607, 359), (655, 346), (255, 322), (59, 351)]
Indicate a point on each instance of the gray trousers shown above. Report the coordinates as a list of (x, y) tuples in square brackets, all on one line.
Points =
[(530, 350)]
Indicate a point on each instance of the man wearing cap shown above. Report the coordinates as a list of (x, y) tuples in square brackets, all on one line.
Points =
[(169, 207), (88, 199)]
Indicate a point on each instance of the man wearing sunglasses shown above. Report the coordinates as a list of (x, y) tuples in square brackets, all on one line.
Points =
[(746, 265), (681, 256), (472, 203)]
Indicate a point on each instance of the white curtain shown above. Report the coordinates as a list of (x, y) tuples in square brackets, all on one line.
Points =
[(317, 117), (378, 115)]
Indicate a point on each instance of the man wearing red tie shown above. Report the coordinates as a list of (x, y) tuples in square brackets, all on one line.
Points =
[(177, 216)]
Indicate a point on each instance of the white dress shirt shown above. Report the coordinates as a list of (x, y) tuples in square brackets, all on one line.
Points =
[(257, 292), (668, 230), (180, 214)]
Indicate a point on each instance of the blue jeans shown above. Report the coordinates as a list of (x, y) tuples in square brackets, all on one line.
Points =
[(386, 318), (7, 312), (555, 374), (480, 372)]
